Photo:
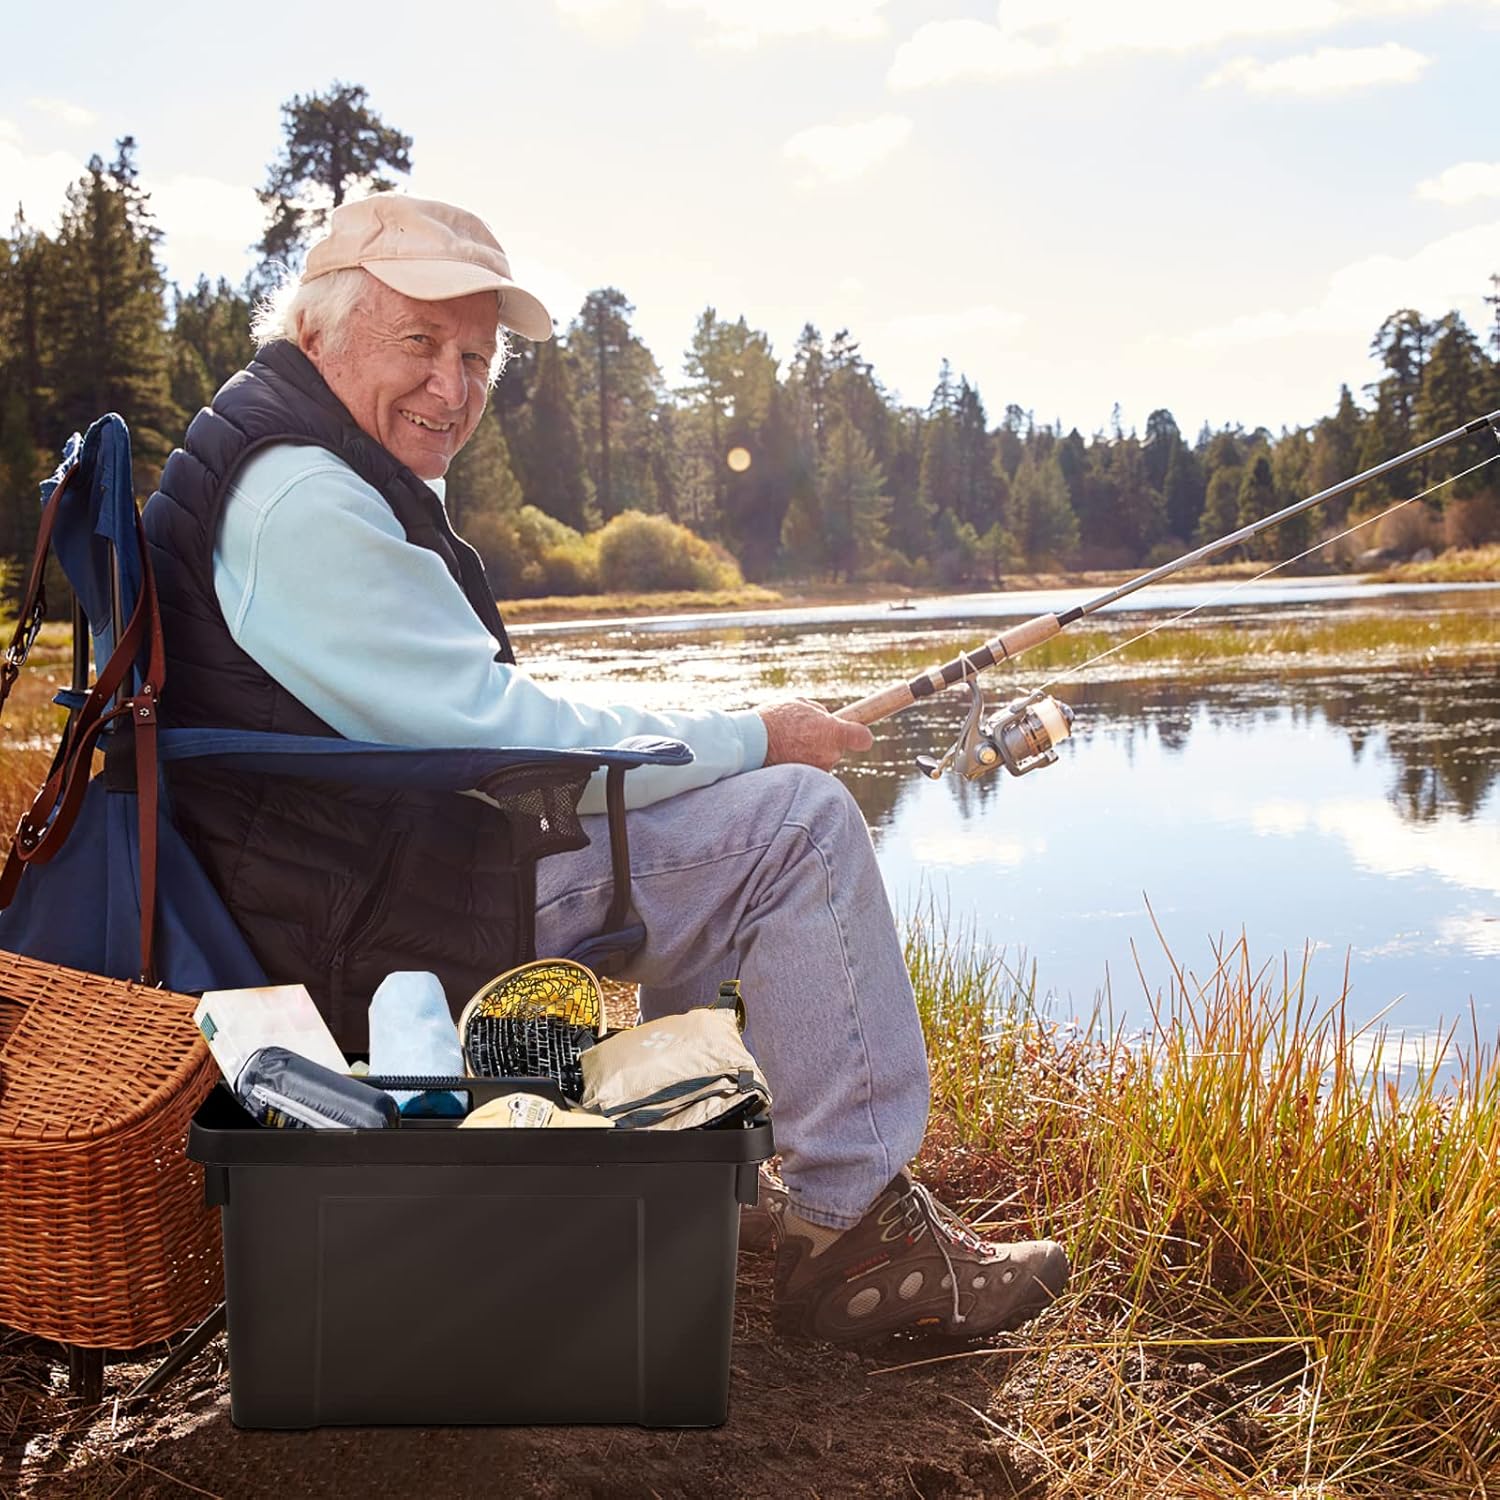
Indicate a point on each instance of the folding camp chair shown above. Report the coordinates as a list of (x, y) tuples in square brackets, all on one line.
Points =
[(97, 877)]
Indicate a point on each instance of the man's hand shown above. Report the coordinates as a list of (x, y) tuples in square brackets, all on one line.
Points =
[(801, 731)]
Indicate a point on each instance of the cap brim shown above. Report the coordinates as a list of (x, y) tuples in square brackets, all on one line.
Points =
[(439, 280)]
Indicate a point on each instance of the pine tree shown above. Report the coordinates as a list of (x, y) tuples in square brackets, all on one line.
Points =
[(1291, 464), (976, 492), (210, 340), (1255, 501), (106, 323), (1401, 345), (937, 481), (955, 549), (1183, 491), (546, 448), (618, 389), (28, 272), (1337, 443), (756, 499), (807, 382), (1162, 441), (480, 481), (851, 499), (335, 143), (730, 375), (1456, 386), (854, 391), (1140, 517), (1221, 505), (998, 553), (1041, 517), (23, 465), (909, 523), (1016, 427)]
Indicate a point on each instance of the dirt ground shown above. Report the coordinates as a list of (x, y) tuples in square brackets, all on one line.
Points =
[(804, 1420)]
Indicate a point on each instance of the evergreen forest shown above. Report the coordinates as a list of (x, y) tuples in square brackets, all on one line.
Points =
[(590, 472)]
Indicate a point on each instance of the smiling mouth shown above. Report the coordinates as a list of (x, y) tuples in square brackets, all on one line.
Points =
[(428, 423)]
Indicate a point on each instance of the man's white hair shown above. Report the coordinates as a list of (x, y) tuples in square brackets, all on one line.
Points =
[(297, 310)]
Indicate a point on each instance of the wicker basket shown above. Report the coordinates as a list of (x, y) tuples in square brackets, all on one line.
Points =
[(105, 1241)]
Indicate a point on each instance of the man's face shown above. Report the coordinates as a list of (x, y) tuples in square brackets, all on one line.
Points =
[(414, 375)]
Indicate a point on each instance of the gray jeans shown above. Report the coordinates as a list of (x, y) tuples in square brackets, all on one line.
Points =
[(770, 876)]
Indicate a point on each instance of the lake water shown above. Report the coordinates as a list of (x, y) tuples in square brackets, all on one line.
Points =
[(1349, 811)]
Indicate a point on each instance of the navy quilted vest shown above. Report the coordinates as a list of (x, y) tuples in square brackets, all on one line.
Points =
[(333, 887)]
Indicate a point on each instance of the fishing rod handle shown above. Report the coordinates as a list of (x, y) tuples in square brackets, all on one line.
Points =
[(896, 696)]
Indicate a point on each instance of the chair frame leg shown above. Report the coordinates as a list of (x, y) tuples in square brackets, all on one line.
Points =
[(86, 1374), (188, 1349)]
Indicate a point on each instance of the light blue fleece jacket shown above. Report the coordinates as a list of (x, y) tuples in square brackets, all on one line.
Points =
[(320, 587)]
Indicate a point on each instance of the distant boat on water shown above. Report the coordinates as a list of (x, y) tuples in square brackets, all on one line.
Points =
[(900, 604)]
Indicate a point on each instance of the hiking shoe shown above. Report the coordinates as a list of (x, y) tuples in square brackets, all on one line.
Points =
[(911, 1263), (760, 1222)]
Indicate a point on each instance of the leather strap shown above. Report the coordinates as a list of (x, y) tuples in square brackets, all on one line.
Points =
[(33, 608), (45, 825)]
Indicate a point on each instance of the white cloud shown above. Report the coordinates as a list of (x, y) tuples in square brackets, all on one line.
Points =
[(945, 51), (1479, 935), (1463, 183), (1378, 839), (1329, 70), (1034, 36), (1279, 818), (748, 23), (61, 109), (208, 225), (1451, 272), (605, 20), (9, 132), (960, 850), (840, 153), (738, 24), (36, 182)]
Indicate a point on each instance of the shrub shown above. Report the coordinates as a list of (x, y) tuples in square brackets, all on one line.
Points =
[(637, 552), (1471, 522), (571, 567), (1408, 530)]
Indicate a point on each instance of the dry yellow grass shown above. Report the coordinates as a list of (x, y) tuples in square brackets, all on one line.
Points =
[(1285, 1278)]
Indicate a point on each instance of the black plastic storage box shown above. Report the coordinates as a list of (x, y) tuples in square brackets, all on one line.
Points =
[(437, 1275)]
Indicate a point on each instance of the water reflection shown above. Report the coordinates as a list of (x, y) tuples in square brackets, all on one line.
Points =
[(1350, 810), (1224, 810)]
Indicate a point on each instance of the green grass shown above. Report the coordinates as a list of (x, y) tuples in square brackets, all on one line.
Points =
[(1286, 1275), (1469, 565), (676, 601), (1454, 637)]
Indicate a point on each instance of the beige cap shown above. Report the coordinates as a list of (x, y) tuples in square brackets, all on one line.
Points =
[(428, 250)]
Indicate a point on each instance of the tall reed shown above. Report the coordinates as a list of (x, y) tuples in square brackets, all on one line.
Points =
[(1252, 1193)]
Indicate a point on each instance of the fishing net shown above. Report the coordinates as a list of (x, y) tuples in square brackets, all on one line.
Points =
[(534, 1022)]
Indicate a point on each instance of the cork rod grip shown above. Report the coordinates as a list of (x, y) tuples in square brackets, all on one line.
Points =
[(1023, 637), (899, 695), (889, 700)]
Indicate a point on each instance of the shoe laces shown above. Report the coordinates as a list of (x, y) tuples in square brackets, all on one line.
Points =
[(945, 1225)]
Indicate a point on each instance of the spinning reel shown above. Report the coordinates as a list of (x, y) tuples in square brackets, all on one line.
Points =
[(1022, 737)]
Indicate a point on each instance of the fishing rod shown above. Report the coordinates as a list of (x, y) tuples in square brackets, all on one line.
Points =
[(1023, 735)]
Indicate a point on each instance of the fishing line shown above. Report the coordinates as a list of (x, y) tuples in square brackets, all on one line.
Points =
[(1390, 510), (1023, 735)]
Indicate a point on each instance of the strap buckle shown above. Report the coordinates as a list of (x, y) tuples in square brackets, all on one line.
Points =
[(17, 652)]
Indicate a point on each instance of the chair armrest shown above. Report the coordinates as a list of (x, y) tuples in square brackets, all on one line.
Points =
[(361, 762)]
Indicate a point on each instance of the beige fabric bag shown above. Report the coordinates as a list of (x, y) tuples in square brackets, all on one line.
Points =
[(677, 1071)]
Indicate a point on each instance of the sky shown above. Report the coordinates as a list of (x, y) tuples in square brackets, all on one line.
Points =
[(1167, 203)]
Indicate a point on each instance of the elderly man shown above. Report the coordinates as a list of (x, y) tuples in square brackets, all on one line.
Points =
[(311, 583)]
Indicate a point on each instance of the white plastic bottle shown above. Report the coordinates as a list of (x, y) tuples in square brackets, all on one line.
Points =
[(412, 1033)]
